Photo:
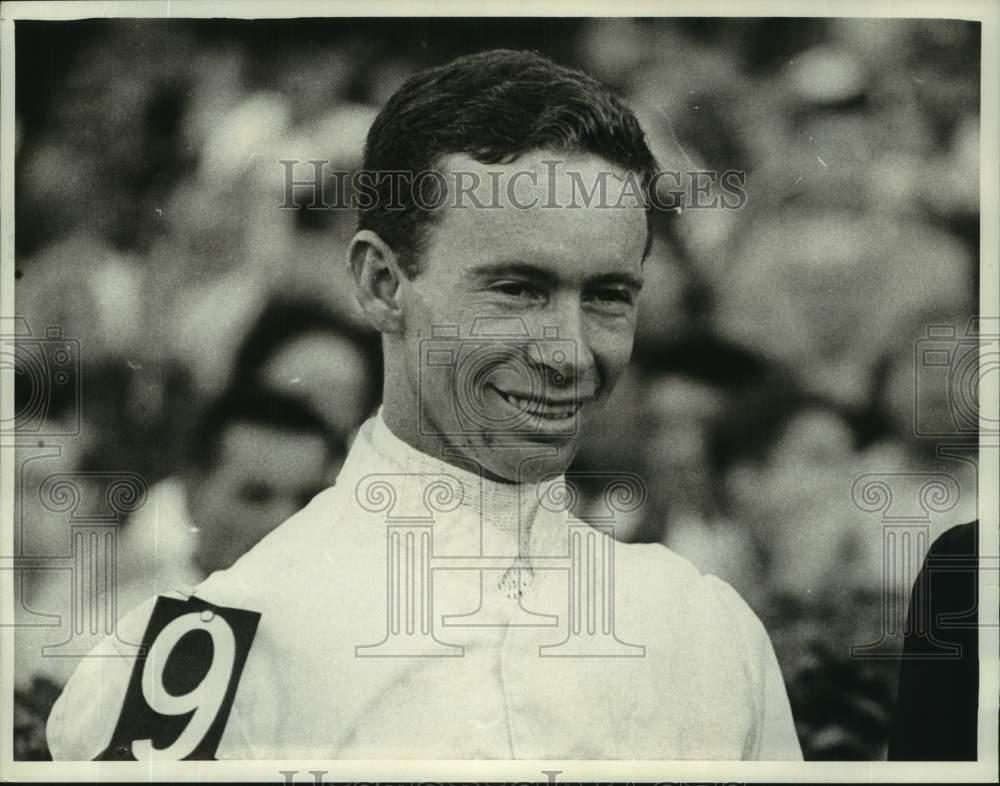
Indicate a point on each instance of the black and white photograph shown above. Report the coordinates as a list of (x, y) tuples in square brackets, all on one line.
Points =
[(544, 395)]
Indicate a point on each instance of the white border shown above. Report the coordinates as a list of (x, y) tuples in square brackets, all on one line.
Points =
[(343, 770), (275, 9)]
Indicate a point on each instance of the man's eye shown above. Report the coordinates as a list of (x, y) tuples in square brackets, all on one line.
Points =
[(516, 289), (611, 296)]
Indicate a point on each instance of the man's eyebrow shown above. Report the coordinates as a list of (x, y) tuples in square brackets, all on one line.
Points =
[(513, 268), (527, 270), (629, 280)]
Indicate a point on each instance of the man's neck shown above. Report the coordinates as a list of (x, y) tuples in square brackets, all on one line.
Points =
[(437, 446)]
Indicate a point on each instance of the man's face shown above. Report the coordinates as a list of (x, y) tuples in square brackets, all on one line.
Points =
[(808, 468), (674, 419), (262, 476), (522, 316)]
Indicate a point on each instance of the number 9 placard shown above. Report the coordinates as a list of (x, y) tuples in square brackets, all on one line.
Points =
[(181, 691)]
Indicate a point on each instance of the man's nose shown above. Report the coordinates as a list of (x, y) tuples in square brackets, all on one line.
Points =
[(564, 346)]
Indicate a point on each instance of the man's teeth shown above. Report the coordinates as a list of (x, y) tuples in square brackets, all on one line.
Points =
[(541, 408)]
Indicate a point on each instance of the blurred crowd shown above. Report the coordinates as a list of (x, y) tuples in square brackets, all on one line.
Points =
[(222, 358)]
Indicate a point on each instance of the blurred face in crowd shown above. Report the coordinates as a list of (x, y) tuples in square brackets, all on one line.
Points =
[(931, 388), (803, 469), (329, 372), (675, 413), (519, 320), (262, 476), (38, 465)]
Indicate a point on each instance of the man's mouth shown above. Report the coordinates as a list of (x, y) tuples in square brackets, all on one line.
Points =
[(543, 407)]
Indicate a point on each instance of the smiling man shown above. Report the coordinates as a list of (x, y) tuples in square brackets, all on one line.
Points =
[(538, 290), (441, 601)]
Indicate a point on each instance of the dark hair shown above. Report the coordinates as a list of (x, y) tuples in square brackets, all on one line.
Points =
[(260, 406), (493, 106), (286, 318)]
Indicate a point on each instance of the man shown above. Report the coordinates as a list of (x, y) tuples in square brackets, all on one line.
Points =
[(439, 601), (937, 711), (255, 458)]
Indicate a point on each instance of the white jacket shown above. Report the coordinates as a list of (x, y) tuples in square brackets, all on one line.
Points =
[(587, 649)]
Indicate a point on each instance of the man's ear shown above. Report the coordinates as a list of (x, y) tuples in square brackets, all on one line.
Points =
[(377, 281)]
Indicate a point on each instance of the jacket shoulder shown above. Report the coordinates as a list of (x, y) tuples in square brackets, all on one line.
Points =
[(83, 718), (660, 567), (319, 528)]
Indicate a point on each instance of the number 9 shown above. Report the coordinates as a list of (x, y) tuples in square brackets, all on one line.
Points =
[(206, 699)]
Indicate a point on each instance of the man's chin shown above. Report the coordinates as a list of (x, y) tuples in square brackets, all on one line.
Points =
[(527, 461)]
